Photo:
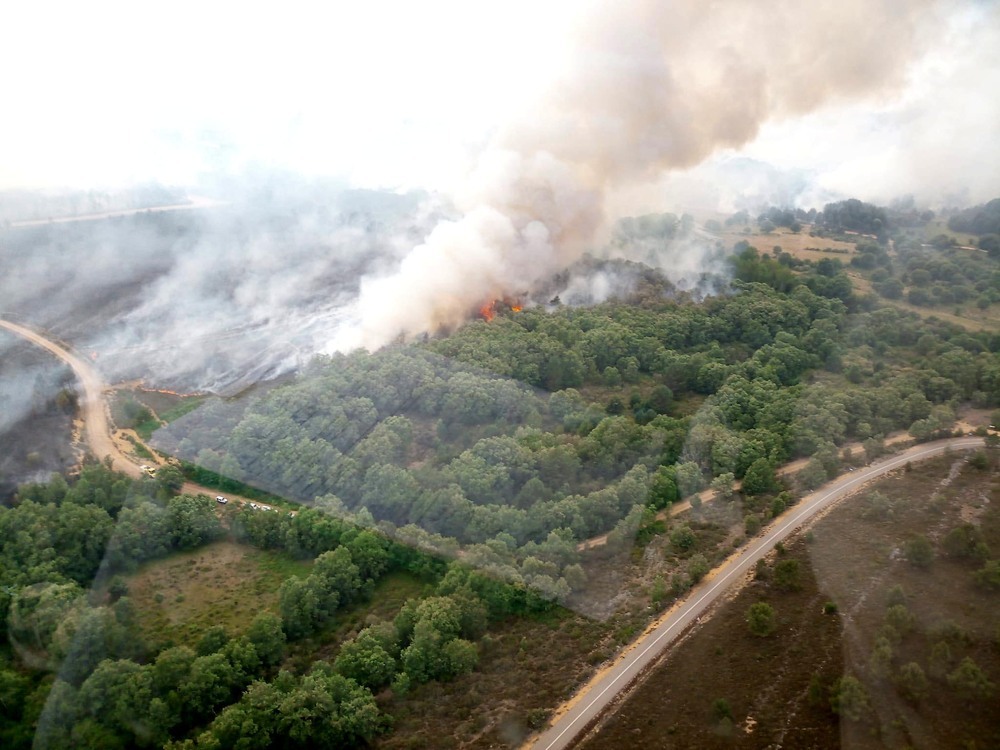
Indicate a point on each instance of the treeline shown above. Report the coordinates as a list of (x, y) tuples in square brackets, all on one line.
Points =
[(416, 438), (931, 276), (984, 219), (854, 216), (419, 439), (84, 675)]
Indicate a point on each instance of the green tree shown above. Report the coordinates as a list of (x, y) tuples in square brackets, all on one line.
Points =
[(663, 490), (723, 486), (698, 567), (305, 605), (848, 698), (970, 680), (912, 681), (965, 542), (760, 619), (899, 617), (208, 686), (682, 538), (988, 577), (760, 478), (192, 521), (336, 572), (212, 640), (788, 574), (170, 479), (365, 660), (268, 638), (919, 551)]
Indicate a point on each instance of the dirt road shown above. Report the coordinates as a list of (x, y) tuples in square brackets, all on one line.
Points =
[(97, 428), (572, 718)]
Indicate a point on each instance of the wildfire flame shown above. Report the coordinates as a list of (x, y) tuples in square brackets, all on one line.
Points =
[(489, 310)]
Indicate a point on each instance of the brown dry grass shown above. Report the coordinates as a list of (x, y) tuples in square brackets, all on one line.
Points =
[(224, 583), (853, 561), (800, 245)]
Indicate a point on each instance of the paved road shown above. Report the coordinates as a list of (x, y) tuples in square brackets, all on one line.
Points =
[(709, 495), (194, 202), (573, 717)]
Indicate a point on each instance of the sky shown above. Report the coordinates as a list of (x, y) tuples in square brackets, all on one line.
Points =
[(401, 94)]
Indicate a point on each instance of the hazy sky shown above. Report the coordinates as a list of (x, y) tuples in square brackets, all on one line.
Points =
[(391, 93)]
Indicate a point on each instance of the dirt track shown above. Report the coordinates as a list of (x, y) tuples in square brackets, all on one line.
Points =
[(97, 428), (93, 410)]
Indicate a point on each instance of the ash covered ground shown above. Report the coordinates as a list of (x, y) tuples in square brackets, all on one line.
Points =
[(37, 401), (209, 299)]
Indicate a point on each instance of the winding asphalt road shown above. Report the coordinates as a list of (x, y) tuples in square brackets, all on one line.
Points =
[(574, 716)]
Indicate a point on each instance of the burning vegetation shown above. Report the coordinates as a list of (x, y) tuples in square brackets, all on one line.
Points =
[(490, 310)]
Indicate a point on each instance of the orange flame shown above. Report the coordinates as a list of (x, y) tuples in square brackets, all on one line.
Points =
[(488, 311)]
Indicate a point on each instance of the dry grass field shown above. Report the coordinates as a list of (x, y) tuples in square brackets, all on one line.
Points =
[(860, 607), (223, 583)]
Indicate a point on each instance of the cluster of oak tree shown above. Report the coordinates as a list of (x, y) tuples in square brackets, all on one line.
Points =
[(76, 670), (424, 438)]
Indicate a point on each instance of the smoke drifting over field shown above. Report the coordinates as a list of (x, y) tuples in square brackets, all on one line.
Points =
[(209, 299), (649, 87), (645, 89)]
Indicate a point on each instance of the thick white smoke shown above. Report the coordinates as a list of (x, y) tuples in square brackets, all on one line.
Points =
[(650, 86)]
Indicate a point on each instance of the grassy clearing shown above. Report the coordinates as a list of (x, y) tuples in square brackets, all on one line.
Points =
[(223, 583), (799, 245), (146, 411), (940, 226), (228, 584)]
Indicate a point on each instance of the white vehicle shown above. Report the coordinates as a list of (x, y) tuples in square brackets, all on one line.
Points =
[(221, 500)]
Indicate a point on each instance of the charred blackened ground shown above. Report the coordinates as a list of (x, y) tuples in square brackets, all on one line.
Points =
[(214, 298), (37, 404)]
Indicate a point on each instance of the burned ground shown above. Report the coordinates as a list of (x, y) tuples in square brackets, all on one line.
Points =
[(36, 416)]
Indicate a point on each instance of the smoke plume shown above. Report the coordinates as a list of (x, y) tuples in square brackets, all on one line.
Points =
[(649, 87)]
